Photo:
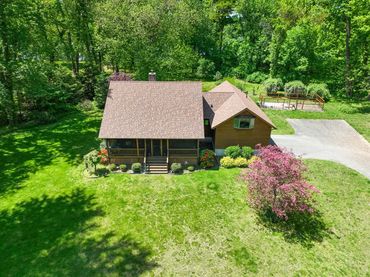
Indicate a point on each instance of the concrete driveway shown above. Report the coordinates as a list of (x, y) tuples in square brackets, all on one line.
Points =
[(333, 140)]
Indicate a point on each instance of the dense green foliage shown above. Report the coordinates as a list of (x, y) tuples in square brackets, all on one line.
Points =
[(55, 54), (318, 89), (295, 88), (273, 85), (236, 151), (55, 222)]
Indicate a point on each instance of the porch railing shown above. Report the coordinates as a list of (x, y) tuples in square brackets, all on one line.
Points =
[(126, 151), (183, 152)]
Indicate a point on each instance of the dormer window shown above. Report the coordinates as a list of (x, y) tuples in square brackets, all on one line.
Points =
[(244, 122)]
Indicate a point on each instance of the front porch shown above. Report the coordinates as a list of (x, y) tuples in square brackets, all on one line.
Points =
[(168, 151)]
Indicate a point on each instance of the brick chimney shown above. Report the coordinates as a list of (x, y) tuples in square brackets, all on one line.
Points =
[(152, 76)]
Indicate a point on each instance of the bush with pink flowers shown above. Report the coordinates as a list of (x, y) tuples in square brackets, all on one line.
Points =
[(276, 183)]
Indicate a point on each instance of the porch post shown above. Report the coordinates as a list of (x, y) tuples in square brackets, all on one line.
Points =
[(198, 148), (137, 147), (168, 148)]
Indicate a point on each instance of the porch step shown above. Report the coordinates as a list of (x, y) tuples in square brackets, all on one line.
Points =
[(156, 165)]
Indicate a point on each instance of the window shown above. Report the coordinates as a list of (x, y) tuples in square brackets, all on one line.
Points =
[(244, 122), (183, 144), (206, 122)]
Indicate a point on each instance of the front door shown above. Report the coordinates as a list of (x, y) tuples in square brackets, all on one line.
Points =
[(156, 147)]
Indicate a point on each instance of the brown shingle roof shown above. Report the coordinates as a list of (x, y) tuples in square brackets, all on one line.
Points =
[(234, 104), (212, 101), (140, 109)]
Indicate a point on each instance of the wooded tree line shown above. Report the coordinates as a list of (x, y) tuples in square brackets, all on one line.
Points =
[(55, 53)]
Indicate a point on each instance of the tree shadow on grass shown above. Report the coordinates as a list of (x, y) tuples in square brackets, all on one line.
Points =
[(56, 236), (302, 228), (28, 150)]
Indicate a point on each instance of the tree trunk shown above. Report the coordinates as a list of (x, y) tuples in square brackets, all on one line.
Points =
[(349, 89), (6, 73)]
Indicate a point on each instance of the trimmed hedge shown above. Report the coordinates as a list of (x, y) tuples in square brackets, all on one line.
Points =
[(123, 167), (233, 151), (227, 162), (136, 167), (246, 152), (241, 162), (176, 168), (236, 151)]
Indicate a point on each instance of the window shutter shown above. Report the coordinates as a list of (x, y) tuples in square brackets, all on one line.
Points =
[(236, 122), (251, 124)]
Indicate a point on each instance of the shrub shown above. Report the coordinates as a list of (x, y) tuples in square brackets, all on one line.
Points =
[(240, 162), (103, 156), (176, 168), (136, 167), (295, 88), (246, 152), (218, 76), (191, 168), (273, 85), (91, 159), (233, 151), (318, 89), (227, 162), (252, 160), (101, 171), (207, 158), (86, 105), (111, 167), (123, 167), (276, 183), (257, 77)]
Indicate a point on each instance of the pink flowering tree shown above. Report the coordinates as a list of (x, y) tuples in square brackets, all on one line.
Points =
[(276, 183)]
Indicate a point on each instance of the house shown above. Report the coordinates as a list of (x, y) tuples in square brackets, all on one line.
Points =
[(158, 123)]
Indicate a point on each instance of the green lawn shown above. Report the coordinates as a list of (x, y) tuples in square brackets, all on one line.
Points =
[(54, 222)]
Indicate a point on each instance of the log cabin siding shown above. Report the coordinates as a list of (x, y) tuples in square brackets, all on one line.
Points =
[(227, 135)]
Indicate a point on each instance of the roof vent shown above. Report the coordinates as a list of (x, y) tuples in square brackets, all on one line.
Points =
[(152, 76)]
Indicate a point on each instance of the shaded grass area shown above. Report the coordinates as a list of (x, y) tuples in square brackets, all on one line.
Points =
[(26, 151), (56, 222)]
